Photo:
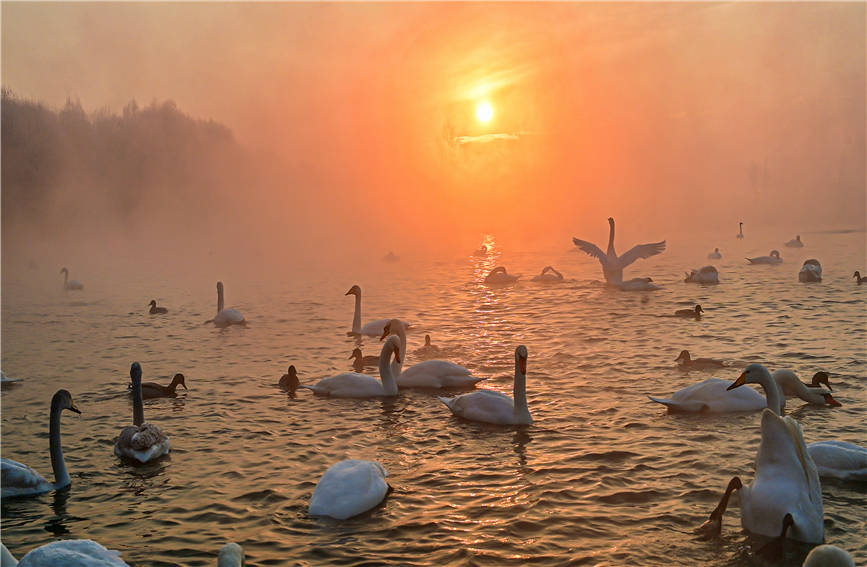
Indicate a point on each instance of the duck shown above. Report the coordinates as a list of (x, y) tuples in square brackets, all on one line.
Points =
[(694, 313), (858, 279), (20, 480), (549, 275), (704, 275), (142, 442), (715, 395), (638, 284), (612, 264), (371, 329), (361, 361), (772, 258), (68, 284), (65, 553), (687, 362), (356, 385), (489, 406), (786, 483), (790, 385), (499, 276), (482, 251), (795, 243), (349, 488), (740, 230), (289, 381), (839, 460), (715, 255), (428, 349), (154, 310), (152, 390), (226, 317), (429, 373), (811, 271), (828, 556)]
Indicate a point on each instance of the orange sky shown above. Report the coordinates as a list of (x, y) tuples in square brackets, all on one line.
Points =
[(673, 116)]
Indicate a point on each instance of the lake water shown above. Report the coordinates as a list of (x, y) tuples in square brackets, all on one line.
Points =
[(603, 477)]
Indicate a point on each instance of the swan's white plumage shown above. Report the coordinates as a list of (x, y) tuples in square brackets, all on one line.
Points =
[(357, 385), (839, 459), (828, 556), (231, 555), (612, 265), (772, 258), (18, 479), (371, 329), (72, 553), (712, 396), (791, 385), (704, 275), (349, 488), (229, 317), (811, 271), (639, 284)]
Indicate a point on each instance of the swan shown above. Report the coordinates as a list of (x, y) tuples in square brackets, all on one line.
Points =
[(371, 329), (482, 251), (66, 553), (795, 243), (499, 276), (690, 313), (713, 525), (639, 284), (428, 349), (19, 479), (840, 460), (811, 271), (704, 275), (355, 385), (226, 317), (545, 277), (289, 381), (612, 265), (69, 284), (790, 385), (7, 380), (361, 361), (786, 483), (390, 257), (858, 278), (772, 258), (721, 396), (154, 310), (828, 556), (489, 406), (740, 230), (231, 555), (430, 373), (349, 488), (715, 255), (151, 390), (687, 362), (140, 441)]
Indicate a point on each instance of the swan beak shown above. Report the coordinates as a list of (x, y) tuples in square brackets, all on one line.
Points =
[(385, 332), (829, 399), (742, 379), (75, 409), (522, 364)]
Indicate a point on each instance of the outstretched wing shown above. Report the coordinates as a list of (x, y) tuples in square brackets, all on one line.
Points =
[(641, 251), (591, 249)]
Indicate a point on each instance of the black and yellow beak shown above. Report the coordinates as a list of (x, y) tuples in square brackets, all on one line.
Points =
[(75, 409), (742, 379)]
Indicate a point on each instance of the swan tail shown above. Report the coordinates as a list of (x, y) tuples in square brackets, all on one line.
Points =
[(675, 406), (446, 401)]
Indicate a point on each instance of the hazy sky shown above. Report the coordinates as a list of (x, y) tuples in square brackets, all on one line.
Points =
[(667, 116)]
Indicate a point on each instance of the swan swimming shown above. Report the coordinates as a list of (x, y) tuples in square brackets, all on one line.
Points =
[(819, 378), (638, 284), (371, 329), (839, 459), (226, 317), (490, 406), (68, 284), (231, 555), (612, 265), (154, 310), (289, 381), (499, 276), (349, 488), (549, 275), (715, 255), (704, 275), (355, 385), (772, 258), (795, 243), (429, 373), (152, 390), (740, 230), (789, 384), (811, 271), (722, 396), (20, 480), (140, 441), (687, 362), (66, 553)]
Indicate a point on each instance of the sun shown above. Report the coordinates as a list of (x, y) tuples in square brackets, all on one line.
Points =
[(485, 111)]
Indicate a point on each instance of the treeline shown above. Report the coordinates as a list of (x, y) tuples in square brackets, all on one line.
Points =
[(68, 164)]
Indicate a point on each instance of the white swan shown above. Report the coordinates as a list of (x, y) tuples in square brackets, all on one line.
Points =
[(69, 284), (489, 406), (612, 265), (772, 258), (19, 479), (349, 488), (740, 230), (371, 329), (704, 275), (828, 556), (795, 243), (721, 396), (839, 459), (549, 275), (231, 555), (66, 553), (140, 441), (7, 380), (715, 255), (430, 373), (811, 271), (639, 284), (499, 276), (226, 317), (355, 385), (790, 385)]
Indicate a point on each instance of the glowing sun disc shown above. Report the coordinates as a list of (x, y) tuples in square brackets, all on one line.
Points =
[(485, 111)]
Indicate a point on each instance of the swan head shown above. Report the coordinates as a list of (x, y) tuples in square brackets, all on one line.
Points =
[(178, 379), (135, 372), (390, 328), (427, 340), (521, 358), (356, 353), (820, 378), (684, 356), (62, 400), (752, 375), (775, 254), (354, 290), (740, 224)]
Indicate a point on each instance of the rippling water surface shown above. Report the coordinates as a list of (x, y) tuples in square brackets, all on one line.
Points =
[(603, 477)]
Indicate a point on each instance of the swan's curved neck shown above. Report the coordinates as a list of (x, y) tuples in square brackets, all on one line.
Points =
[(398, 329), (356, 317), (611, 251), (137, 403), (61, 475), (776, 400), (791, 380), (520, 393), (219, 299), (389, 381)]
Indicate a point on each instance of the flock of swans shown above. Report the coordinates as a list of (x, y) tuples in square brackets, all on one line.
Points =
[(784, 499)]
